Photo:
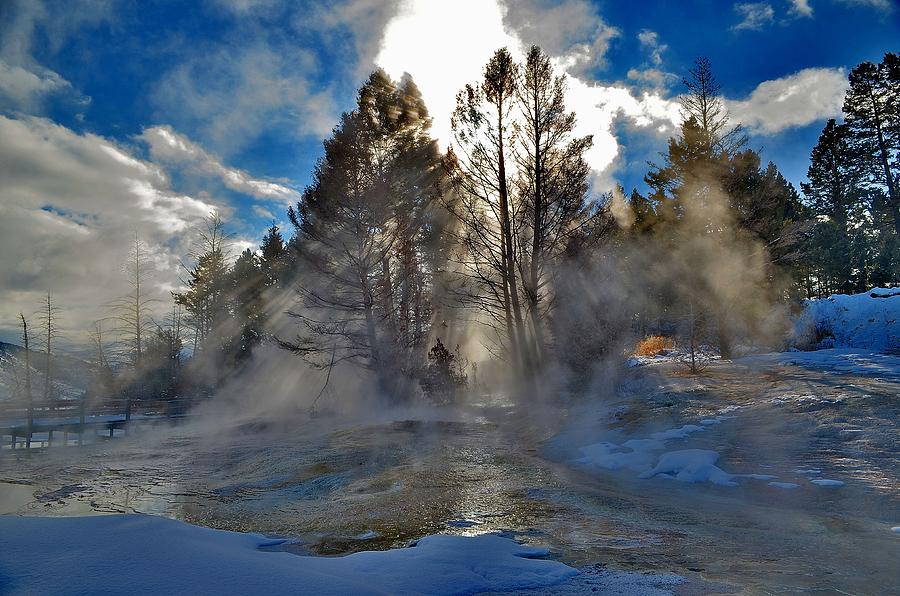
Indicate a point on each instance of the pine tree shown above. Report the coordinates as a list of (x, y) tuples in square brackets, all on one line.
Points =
[(834, 192), (872, 114), (484, 134), (206, 299), (361, 227), (273, 260), (551, 189)]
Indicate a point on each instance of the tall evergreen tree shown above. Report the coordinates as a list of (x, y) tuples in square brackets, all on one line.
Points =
[(362, 225), (872, 114), (551, 189), (484, 133), (834, 192), (206, 298)]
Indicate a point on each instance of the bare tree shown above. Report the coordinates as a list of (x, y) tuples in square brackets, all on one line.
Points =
[(28, 395), (48, 317)]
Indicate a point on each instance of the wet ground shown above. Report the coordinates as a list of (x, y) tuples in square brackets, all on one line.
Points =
[(491, 468)]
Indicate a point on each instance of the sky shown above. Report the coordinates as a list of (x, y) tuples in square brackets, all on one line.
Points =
[(139, 117)]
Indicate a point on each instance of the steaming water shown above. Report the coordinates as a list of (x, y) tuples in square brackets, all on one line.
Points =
[(373, 486)]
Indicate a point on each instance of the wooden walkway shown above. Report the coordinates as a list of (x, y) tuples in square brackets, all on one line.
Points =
[(66, 418)]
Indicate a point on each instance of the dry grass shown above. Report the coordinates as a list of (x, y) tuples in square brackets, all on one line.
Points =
[(653, 345)]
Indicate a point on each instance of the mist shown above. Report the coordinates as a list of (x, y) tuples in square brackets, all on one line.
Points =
[(339, 302)]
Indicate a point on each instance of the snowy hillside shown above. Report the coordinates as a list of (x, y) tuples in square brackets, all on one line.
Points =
[(870, 321), (71, 375)]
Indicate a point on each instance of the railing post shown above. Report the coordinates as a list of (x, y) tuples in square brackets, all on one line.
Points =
[(81, 408)]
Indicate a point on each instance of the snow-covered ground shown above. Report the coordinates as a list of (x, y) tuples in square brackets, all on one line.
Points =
[(145, 554), (870, 320)]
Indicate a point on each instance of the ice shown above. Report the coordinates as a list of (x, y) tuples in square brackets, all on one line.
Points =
[(144, 554), (789, 485), (827, 482), (676, 433), (691, 465), (649, 458), (758, 476)]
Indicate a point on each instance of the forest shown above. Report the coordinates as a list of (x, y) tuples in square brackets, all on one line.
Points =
[(417, 264)]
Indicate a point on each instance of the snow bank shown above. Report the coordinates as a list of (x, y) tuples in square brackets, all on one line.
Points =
[(870, 320), (691, 465), (143, 554), (649, 458)]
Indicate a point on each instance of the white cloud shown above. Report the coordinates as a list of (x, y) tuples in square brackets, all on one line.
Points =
[(172, 148), (261, 211), (754, 15), (70, 206), (884, 5), (571, 30), (24, 89), (800, 8), (234, 93), (415, 41), (24, 83), (650, 42), (653, 77), (802, 98)]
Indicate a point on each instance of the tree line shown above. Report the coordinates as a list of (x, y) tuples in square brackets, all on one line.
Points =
[(397, 247)]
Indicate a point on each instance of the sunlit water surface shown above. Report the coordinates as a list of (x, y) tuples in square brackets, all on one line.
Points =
[(341, 488)]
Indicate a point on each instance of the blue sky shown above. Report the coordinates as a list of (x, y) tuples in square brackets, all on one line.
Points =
[(131, 116)]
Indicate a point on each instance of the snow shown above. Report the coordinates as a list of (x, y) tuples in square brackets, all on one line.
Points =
[(649, 458), (870, 320), (642, 455), (845, 361), (691, 465), (143, 554), (826, 482)]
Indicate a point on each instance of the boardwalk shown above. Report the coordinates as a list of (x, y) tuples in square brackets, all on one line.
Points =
[(71, 422)]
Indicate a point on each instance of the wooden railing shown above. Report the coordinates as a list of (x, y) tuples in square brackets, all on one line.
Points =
[(20, 423)]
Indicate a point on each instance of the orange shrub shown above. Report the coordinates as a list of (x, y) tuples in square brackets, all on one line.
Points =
[(653, 345)]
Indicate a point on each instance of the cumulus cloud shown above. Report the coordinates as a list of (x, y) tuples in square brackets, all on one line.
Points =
[(71, 206), (173, 148), (754, 15), (24, 89), (415, 42), (257, 79), (802, 98), (571, 30), (791, 101), (650, 42), (800, 8)]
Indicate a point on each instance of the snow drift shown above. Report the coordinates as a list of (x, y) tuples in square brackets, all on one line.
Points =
[(143, 554), (866, 321)]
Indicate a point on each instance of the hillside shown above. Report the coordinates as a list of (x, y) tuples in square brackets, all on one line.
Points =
[(70, 375)]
